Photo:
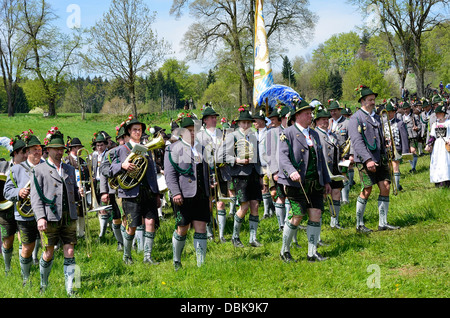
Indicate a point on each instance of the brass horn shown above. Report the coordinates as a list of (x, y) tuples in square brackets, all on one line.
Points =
[(129, 179), (4, 204), (23, 206)]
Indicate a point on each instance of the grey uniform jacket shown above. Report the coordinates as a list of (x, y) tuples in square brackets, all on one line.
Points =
[(150, 176), (363, 131), (341, 132), (52, 186), (180, 169), (300, 151), (410, 121), (402, 145), (329, 147), (272, 147), (424, 118), (238, 169), (21, 174), (105, 172), (205, 139)]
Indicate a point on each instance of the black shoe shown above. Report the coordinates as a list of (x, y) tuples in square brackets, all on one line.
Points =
[(128, 260), (177, 265), (150, 261), (287, 257), (316, 257), (363, 229), (338, 226), (255, 243), (222, 240), (388, 227), (237, 242)]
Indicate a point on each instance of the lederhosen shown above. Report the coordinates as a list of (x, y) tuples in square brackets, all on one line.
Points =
[(313, 188), (142, 206), (65, 229), (196, 208)]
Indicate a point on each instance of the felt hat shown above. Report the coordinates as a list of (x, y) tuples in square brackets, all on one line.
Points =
[(73, 142), (133, 121), (321, 112), (333, 104), (299, 105), (30, 139), (440, 109), (406, 105), (346, 111), (186, 122), (363, 91), (244, 114), (436, 99), (16, 143), (260, 114), (54, 139), (99, 137), (208, 111)]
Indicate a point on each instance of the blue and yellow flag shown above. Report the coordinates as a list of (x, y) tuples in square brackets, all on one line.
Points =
[(262, 77)]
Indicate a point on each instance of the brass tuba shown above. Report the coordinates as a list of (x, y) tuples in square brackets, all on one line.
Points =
[(129, 179), (23, 206), (346, 147), (4, 204), (244, 149)]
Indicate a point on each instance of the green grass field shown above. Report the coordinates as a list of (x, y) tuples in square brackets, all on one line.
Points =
[(412, 262)]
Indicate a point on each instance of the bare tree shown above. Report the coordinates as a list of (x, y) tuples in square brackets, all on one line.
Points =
[(123, 43), (50, 53), (230, 24), (409, 20), (12, 48)]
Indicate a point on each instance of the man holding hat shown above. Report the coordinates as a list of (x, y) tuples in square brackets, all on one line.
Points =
[(211, 138), (370, 158), (141, 201), (8, 224), (188, 178), (245, 169), (54, 193), (17, 188), (303, 172)]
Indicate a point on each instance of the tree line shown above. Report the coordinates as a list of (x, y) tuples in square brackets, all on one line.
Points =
[(114, 66)]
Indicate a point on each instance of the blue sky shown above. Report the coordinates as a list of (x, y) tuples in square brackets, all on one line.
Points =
[(334, 17)]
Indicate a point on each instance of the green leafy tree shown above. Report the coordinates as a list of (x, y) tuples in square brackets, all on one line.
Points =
[(364, 72)]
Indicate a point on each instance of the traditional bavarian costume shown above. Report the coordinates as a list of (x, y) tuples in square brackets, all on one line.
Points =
[(53, 194), (212, 141), (18, 178), (246, 178), (368, 144), (187, 174), (138, 202), (331, 153), (272, 149), (301, 151), (8, 224)]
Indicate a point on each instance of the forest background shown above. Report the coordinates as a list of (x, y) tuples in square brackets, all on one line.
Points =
[(103, 69)]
